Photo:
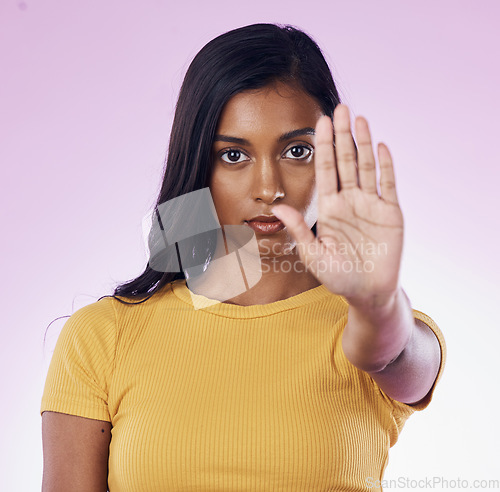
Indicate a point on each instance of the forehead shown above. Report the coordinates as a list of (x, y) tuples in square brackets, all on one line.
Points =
[(274, 108)]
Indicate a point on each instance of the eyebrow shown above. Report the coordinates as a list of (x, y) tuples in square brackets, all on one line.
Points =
[(286, 136)]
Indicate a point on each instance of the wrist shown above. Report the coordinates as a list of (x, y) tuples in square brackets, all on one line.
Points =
[(377, 333), (378, 305)]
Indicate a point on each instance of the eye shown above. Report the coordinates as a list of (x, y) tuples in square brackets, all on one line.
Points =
[(233, 156), (298, 152)]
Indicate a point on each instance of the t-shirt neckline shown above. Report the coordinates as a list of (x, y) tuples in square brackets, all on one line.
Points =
[(180, 289)]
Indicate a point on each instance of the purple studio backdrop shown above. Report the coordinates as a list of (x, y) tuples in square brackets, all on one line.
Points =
[(87, 98)]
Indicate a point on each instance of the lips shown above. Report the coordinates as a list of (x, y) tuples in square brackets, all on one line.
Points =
[(266, 224), (264, 218)]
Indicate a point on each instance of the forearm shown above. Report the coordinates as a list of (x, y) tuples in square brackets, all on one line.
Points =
[(374, 336), (400, 353), (410, 377)]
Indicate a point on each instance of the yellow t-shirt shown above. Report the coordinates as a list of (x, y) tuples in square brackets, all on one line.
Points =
[(226, 397)]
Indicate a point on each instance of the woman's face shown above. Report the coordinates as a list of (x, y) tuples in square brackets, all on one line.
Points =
[(263, 155)]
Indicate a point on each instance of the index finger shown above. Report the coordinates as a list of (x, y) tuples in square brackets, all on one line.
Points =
[(324, 158)]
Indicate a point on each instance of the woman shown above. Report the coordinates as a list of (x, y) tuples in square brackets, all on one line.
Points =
[(250, 355)]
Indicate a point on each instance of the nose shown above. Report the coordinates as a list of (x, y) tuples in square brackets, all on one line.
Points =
[(267, 182)]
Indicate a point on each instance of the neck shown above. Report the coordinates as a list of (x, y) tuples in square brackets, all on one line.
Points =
[(263, 280)]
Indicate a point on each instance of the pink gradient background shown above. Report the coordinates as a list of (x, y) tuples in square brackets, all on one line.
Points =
[(87, 97)]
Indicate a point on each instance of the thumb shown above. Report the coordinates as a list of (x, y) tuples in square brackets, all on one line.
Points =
[(298, 229)]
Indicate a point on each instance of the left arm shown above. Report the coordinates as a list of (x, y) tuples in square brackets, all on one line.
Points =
[(399, 352)]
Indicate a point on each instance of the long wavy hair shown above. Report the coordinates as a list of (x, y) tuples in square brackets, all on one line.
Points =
[(246, 58)]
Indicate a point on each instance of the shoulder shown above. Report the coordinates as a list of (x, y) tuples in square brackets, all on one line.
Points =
[(91, 328)]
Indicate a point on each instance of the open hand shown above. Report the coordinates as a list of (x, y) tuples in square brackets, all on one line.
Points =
[(359, 243)]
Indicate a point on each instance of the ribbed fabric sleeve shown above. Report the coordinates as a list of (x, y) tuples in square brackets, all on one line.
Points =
[(82, 363), (226, 397)]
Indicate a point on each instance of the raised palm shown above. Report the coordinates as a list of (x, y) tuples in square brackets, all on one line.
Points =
[(358, 248)]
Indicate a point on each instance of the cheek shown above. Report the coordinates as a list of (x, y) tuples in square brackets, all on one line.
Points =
[(311, 197), (225, 195), (215, 185), (304, 188), (228, 185), (311, 208)]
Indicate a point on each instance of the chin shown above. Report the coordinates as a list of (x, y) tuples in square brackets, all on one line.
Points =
[(273, 246)]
